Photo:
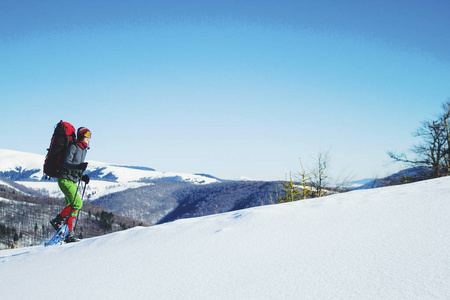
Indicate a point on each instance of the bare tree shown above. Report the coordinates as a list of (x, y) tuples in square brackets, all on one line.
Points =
[(433, 151), (319, 173), (446, 116)]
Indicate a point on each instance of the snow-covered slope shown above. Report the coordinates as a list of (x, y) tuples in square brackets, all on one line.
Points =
[(12, 185), (106, 178), (386, 243)]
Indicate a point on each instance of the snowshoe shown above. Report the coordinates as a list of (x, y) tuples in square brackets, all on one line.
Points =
[(59, 237)]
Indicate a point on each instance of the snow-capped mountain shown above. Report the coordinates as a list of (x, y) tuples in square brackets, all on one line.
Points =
[(384, 243), (106, 178), (17, 165), (22, 166)]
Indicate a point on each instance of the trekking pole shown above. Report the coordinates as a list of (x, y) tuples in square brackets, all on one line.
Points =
[(82, 196), (78, 186), (75, 196)]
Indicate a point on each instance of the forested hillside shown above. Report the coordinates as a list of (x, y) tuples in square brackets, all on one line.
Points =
[(24, 219), (168, 201)]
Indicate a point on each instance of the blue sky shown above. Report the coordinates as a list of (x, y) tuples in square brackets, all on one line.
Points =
[(236, 88)]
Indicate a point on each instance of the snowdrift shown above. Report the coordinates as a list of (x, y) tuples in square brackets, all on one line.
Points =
[(386, 243)]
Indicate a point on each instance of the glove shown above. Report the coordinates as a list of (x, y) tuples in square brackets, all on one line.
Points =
[(86, 179), (82, 166)]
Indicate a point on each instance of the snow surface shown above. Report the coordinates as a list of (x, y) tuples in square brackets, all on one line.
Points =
[(385, 243)]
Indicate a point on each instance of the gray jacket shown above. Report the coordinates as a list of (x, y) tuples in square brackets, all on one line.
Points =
[(74, 156)]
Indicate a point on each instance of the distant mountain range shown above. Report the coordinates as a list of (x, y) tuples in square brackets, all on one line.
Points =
[(106, 178), (141, 193), (22, 166), (152, 197), (163, 202), (404, 176)]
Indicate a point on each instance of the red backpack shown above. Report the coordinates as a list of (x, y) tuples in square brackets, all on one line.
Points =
[(63, 135)]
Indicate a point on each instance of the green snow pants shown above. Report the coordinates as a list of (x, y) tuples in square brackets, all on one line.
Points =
[(69, 189)]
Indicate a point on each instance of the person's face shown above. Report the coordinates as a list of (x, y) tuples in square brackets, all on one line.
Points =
[(86, 139)]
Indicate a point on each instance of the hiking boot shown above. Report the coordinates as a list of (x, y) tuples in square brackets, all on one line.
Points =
[(57, 222), (70, 238)]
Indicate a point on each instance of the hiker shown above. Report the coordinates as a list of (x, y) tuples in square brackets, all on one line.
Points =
[(73, 167)]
